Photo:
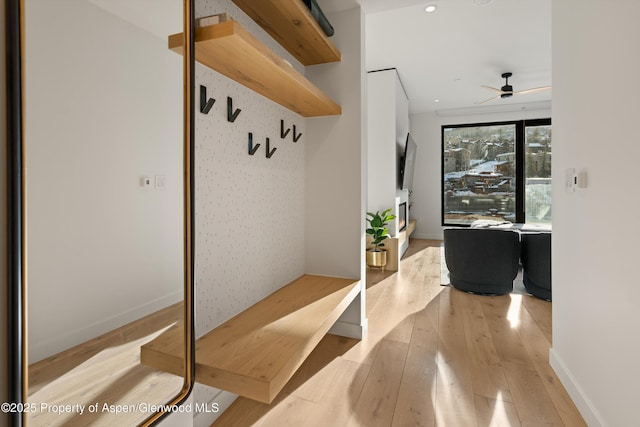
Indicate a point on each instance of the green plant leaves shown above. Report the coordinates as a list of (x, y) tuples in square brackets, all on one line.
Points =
[(378, 222)]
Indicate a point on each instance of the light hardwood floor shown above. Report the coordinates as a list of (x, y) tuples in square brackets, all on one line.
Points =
[(434, 356), (105, 370)]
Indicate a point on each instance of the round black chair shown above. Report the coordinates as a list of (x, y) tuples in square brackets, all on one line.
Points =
[(536, 263), (482, 261)]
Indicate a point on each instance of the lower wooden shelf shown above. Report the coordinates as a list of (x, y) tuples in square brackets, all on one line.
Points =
[(256, 352)]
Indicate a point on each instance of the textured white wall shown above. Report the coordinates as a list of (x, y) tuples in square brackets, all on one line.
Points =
[(250, 213), (249, 209), (103, 108), (595, 315)]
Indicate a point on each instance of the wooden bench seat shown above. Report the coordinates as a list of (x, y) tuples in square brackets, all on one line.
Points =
[(256, 352)]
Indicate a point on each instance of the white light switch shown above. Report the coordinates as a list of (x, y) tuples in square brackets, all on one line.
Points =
[(161, 182), (571, 180), (145, 182)]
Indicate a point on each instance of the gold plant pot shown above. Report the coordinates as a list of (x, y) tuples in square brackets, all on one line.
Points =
[(376, 259)]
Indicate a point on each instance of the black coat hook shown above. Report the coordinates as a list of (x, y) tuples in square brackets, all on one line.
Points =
[(283, 133), (269, 151), (231, 115), (205, 104), (296, 137), (252, 149)]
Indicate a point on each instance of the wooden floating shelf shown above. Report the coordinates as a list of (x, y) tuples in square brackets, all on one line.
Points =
[(255, 353), (290, 23), (231, 50)]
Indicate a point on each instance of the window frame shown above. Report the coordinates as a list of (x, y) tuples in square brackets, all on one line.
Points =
[(520, 154)]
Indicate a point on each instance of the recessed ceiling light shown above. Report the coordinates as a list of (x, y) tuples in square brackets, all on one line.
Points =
[(430, 8), (436, 100)]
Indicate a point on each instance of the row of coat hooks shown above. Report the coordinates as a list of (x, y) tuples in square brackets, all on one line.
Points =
[(253, 148), (207, 103), (283, 133)]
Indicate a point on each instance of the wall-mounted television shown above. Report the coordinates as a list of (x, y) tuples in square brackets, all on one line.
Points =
[(407, 164)]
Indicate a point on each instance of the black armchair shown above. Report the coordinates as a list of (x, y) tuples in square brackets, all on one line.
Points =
[(483, 261), (536, 264)]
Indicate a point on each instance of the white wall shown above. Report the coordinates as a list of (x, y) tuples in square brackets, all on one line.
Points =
[(382, 142), (336, 170), (103, 108), (402, 113), (334, 167), (426, 129), (595, 254), (387, 127), (402, 128)]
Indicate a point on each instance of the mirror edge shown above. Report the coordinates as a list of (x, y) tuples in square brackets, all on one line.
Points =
[(16, 233), (16, 263), (189, 214)]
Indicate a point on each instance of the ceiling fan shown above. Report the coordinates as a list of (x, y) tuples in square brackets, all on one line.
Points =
[(506, 91)]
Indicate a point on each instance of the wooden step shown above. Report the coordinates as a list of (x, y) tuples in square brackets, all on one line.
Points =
[(256, 352)]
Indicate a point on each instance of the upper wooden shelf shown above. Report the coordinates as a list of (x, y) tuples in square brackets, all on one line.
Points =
[(256, 352), (290, 23), (231, 50)]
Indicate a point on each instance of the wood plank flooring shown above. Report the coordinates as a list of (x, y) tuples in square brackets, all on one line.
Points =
[(105, 370), (434, 356)]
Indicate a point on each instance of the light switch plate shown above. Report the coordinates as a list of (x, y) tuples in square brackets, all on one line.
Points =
[(146, 182)]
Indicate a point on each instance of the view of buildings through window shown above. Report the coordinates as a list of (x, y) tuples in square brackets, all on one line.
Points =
[(484, 167), (537, 165)]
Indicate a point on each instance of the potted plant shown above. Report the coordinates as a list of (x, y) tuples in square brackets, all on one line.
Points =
[(376, 256)]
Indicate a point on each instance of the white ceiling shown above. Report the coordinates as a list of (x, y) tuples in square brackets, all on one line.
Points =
[(448, 54), (445, 55)]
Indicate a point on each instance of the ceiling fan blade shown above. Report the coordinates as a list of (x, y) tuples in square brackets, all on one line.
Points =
[(493, 89), (535, 89), (488, 100)]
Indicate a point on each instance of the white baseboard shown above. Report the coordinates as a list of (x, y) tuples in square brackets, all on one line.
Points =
[(350, 330), (581, 400), (70, 338)]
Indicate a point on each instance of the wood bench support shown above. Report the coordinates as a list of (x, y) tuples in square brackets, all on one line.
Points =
[(256, 352)]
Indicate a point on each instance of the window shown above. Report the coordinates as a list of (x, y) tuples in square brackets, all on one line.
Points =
[(537, 165), (499, 171)]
